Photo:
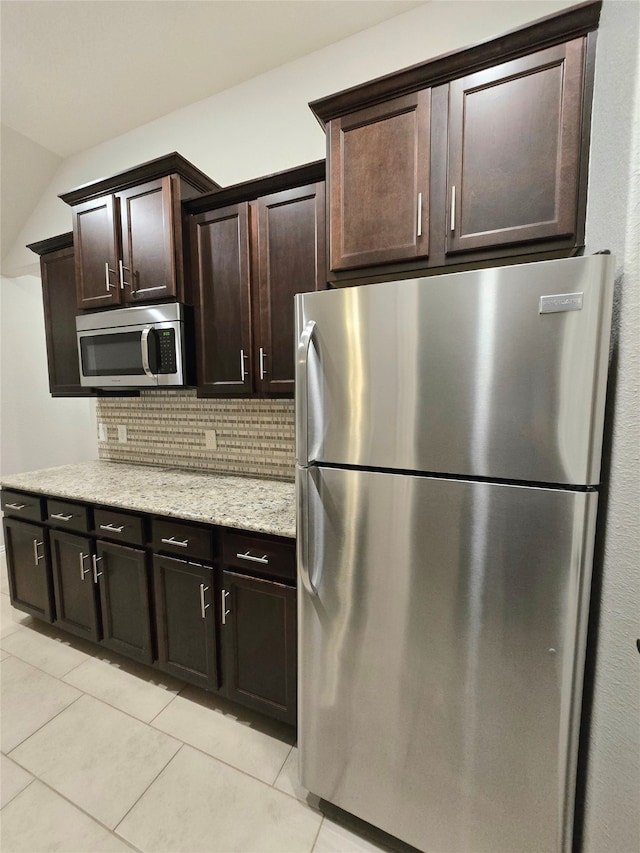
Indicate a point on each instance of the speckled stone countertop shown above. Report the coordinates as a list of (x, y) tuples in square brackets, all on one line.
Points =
[(248, 503)]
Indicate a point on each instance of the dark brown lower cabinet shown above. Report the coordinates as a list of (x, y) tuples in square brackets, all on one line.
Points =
[(28, 568), (185, 620), (75, 584), (123, 582), (259, 638)]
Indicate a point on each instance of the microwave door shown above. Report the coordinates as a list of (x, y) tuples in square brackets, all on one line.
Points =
[(116, 358)]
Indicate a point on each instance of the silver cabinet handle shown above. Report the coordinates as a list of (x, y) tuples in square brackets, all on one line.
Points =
[(419, 228), (36, 558), (247, 556), (263, 356), (224, 611), (111, 528), (16, 506), (453, 208), (302, 401), (203, 606), (122, 268), (83, 571), (96, 573), (243, 370), (107, 270), (172, 541), (144, 343), (60, 516)]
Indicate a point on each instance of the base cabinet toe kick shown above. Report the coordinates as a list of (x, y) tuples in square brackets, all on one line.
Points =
[(213, 606)]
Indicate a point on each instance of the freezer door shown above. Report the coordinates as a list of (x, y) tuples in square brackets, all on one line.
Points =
[(497, 373), (441, 648)]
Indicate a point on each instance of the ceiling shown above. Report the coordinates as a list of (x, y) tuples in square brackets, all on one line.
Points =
[(76, 73)]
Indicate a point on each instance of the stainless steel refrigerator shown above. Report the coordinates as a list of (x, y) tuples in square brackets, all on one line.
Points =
[(449, 434)]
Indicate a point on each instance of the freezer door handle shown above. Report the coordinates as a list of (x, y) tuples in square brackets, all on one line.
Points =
[(302, 496), (302, 394)]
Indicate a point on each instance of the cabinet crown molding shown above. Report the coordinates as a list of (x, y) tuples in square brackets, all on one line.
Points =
[(545, 32), (170, 164), (52, 244)]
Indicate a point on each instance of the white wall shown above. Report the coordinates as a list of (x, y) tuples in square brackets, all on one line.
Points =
[(26, 169), (38, 431), (612, 815)]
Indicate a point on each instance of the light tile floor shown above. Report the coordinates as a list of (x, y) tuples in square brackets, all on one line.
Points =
[(101, 754)]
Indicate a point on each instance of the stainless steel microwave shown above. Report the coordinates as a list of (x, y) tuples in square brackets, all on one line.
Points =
[(139, 347)]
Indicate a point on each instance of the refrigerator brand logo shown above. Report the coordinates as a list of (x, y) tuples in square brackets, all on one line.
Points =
[(561, 302)]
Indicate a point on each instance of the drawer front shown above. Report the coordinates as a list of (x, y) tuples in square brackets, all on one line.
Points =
[(187, 540), (119, 526), (260, 555), (67, 515), (22, 505)]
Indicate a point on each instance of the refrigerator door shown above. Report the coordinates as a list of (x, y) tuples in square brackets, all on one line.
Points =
[(441, 650), (497, 373)]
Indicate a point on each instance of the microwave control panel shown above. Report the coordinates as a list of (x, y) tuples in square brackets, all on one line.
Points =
[(166, 350)]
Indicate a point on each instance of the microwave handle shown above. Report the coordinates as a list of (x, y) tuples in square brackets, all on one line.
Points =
[(144, 342)]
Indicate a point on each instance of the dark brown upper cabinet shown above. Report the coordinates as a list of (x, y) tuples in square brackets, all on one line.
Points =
[(57, 269), (473, 157), (128, 233), (253, 247), (379, 183), (514, 150)]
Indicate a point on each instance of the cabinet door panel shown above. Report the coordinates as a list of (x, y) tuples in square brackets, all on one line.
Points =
[(290, 260), (124, 601), (379, 183), (59, 298), (514, 150), (185, 615), (75, 589), (220, 241), (95, 236), (260, 645), (148, 256), (28, 568)]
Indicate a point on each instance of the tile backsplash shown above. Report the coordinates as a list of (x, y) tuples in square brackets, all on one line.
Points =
[(174, 428)]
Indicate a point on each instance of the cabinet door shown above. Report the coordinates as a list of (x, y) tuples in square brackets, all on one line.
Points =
[(96, 242), (28, 568), (185, 617), (290, 259), (76, 590), (379, 183), (59, 298), (514, 150), (124, 600), (260, 644), (220, 242), (148, 240)]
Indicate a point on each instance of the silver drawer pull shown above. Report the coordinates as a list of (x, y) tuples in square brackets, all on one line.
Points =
[(15, 506), (203, 606), (264, 559), (111, 528), (60, 516), (172, 541)]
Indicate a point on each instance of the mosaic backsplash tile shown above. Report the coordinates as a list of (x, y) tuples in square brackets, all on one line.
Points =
[(253, 437)]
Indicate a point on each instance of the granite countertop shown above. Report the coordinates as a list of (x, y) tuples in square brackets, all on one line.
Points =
[(248, 503)]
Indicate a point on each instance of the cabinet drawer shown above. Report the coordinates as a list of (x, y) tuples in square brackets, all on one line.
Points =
[(188, 540), (264, 556), (70, 516), (22, 505), (119, 526)]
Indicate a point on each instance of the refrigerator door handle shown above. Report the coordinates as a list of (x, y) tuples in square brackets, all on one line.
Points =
[(302, 393), (302, 497)]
